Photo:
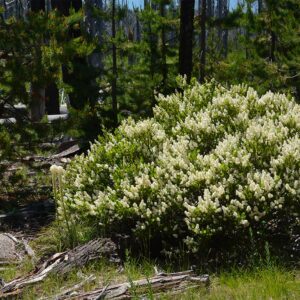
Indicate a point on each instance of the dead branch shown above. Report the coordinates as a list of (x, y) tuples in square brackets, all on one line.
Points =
[(62, 263), (173, 283)]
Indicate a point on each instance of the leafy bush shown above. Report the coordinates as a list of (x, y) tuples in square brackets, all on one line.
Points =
[(212, 162)]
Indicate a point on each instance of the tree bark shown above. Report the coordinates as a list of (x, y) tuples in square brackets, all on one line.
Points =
[(52, 99), (115, 74), (163, 48), (37, 103), (186, 38), (225, 32), (37, 5), (94, 26), (203, 41), (138, 28), (273, 46), (50, 95), (260, 6), (63, 6), (71, 77)]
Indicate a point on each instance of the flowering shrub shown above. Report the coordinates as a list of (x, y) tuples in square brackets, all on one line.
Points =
[(212, 161)]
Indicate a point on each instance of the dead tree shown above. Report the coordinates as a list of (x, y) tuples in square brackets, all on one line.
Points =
[(186, 38)]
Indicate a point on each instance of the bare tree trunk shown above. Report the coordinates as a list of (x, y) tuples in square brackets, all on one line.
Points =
[(210, 8), (94, 26), (50, 93), (37, 103), (225, 33), (52, 99), (163, 48), (203, 41), (186, 38), (37, 5), (115, 74), (273, 46), (64, 6), (138, 29), (260, 6)]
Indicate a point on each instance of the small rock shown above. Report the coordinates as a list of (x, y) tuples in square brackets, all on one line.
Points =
[(7, 248)]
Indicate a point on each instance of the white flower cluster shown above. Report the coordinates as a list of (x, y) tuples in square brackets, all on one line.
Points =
[(210, 158), (57, 170)]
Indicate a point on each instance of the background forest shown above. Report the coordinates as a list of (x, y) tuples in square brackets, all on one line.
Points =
[(108, 59)]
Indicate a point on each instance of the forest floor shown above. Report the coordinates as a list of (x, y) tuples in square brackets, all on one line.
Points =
[(262, 283), (268, 281), (30, 216)]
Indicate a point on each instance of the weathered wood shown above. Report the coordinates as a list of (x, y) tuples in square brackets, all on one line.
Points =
[(62, 263), (73, 150), (72, 291), (172, 283)]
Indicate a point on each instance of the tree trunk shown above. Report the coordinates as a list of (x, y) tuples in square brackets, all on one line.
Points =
[(63, 6), (138, 29), (225, 32), (273, 46), (52, 99), (94, 26), (186, 38), (203, 41), (51, 94), (115, 74), (37, 103), (163, 48), (37, 5), (260, 6), (210, 8)]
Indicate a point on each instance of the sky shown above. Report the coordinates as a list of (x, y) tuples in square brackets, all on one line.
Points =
[(138, 3)]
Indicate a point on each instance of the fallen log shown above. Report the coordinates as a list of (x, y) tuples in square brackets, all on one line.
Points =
[(174, 283), (72, 151), (65, 294), (62, 263)]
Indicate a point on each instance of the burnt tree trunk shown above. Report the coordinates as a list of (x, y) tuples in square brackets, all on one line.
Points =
[(186, 38), (115, 70), (52, 99), (37, 5), (203, 41), (260, 6), (138, 29), (49, 96), (63, 6), (163, 48), (273, 46), (37, 101)]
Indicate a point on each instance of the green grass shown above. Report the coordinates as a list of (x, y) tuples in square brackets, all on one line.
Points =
[(266, 279), (268, 282)]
